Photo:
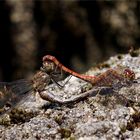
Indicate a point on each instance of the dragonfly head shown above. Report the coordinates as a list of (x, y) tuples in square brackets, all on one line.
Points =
[(48, 67), (129, 74)]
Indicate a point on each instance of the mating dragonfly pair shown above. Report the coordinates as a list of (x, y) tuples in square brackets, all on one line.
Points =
[(12, 93)]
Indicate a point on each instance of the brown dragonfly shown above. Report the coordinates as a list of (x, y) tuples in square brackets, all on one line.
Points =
[(12, 93)]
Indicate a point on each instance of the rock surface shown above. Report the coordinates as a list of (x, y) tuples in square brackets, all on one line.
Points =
[(99, 117)]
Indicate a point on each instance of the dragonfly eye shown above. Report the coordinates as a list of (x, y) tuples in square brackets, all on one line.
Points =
[(129, 74)]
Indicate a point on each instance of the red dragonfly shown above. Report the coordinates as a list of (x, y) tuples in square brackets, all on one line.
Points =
[(105, 79)]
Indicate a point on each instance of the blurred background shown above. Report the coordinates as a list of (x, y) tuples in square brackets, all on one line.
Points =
[(79, 33)]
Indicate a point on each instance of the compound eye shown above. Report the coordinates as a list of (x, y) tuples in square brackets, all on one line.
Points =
[(129, 74)]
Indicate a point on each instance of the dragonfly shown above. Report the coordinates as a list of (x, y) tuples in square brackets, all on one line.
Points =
[(12, 93), (108, 78)]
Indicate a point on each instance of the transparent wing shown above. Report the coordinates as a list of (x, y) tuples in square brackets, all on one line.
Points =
[(12, 93)]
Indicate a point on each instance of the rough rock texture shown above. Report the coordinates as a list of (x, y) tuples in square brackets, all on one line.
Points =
[(99, 117)]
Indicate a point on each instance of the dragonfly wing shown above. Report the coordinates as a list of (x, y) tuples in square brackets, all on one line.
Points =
[(12, 93)]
